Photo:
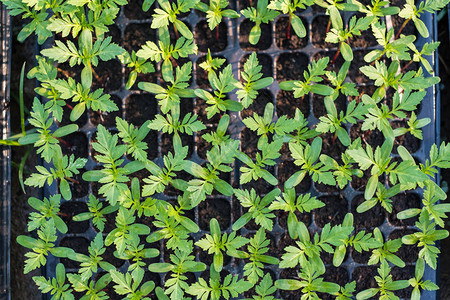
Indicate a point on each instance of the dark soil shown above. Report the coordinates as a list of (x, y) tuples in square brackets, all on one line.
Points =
[(365, 40), (365, 278), (138, 109), (319, 109), (250, 142), (400, 203), (75, 144), (290, 66), (410, 142), (404, 273), (287, 104), (109, 257), (114, 33), (207, 39), (79, 187), (332, 146), (408, 253), (264, 60), (333, 212), (109, 76), (170, 190), (265, 41), (167, 143), (338, 62), (372, 137), (82, 120), (258, 105), (289, 274), (79, 245), (294, 42), (336, 275), (214, 208), (200, 111), (286, 169), (354, 73), (319, 32), (134, 10), (359, 184), (283, 216), (107, 119), (374, 217), (202, 145), (137, 34), (261, 186), (72, 208), (201, 76)]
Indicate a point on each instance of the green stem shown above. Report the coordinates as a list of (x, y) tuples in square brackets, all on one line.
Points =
[(21, 105)]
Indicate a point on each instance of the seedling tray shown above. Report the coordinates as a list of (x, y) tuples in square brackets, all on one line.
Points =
[(282, 60), (5, 159)]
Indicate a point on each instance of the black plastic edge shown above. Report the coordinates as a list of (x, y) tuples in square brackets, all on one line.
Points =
[(5, 157)]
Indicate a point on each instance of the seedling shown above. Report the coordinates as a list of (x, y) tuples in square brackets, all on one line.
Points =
[(258, 15), (290, 7)]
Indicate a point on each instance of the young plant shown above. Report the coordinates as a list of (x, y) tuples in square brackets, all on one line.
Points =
[(386, 285), (129, 284), (222, 84), (215, 11), (230, 287), (310, 284), (289, 7), (216, 243), (340, 35), (251, 75), (170, 97), (264, 289), (411, 12), (258, 15), (417, 283), (168, 12), (55, 286), (289, 203), (333, 9), (65, 168), (88, 53), (258, 209), (165, 51), (182, 262), (257, 256), (265, 127), (312, 77)]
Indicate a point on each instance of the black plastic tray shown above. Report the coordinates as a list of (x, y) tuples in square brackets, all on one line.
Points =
[(233, 53), (5, 158)]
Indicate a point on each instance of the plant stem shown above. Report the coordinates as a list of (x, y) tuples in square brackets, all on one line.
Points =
[(401, 28), (334, 138), (64, 142), (217, 33), (288, 34), (72, 180), (328, 26), (406, 66), (97, 77), (177, 35), (64, 72), (69, 106), (65, 215), (336, 56), (301, 101)]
